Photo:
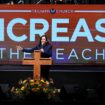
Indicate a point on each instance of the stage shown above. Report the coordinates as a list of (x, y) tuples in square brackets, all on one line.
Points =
[(86, 75), (69, 78)]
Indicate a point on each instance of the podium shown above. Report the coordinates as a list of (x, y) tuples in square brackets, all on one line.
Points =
[(37, 61)]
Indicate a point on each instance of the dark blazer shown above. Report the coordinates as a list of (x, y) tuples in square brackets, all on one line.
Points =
[(47, 50)]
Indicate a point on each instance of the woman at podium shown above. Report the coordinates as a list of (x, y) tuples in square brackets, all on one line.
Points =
[(44, 46), (46, 52)]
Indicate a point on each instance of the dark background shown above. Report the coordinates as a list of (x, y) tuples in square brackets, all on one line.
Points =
[(53, 1)]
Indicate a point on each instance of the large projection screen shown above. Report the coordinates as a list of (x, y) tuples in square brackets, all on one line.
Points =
[(77, 32)]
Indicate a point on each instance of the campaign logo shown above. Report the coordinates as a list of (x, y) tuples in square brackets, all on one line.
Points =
[(52, 11)]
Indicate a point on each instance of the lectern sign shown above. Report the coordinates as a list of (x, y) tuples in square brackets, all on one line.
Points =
[(37, 62)]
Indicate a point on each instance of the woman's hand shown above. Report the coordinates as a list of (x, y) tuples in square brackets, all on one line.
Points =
[(42, 50), (19, 48)]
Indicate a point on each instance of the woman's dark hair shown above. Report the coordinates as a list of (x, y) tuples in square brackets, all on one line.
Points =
[(47, 42)]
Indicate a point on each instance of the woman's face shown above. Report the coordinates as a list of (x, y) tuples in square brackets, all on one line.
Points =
[(43, 40)]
